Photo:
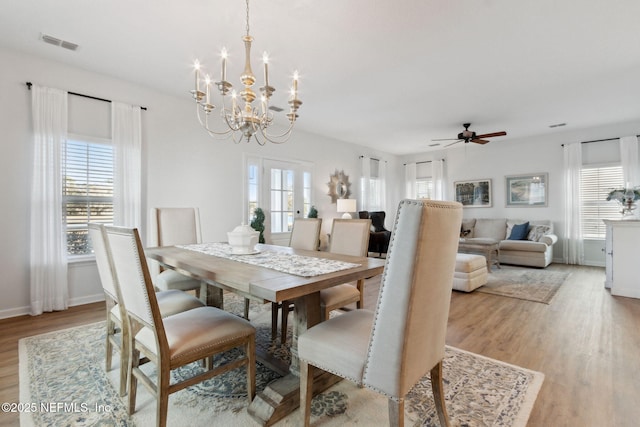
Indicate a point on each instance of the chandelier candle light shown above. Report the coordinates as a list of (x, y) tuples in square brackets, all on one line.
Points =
[(243, 122)]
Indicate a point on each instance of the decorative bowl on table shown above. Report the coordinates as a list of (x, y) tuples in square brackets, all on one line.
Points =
[(243, 240)]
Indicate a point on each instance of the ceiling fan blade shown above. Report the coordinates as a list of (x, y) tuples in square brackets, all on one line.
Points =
[(446, 139), (491, 135), (453, 143), (479, 141)]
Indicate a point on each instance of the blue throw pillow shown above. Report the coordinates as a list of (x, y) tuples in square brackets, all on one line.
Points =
[(519, 231)]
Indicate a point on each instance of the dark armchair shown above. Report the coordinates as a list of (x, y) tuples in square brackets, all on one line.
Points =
[(379, 236)]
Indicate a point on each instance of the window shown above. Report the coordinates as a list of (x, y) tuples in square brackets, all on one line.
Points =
[(306, 193), (372, 184), (595, 184), (253, 188), (281, 191), (87, 189), (424, 188)]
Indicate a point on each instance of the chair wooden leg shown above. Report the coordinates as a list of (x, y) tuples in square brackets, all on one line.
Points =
[(438, 394), (124, 359), (164, 376), (251, 368), (134, 362), (109, 346), (396, 413), (360, 302), (306, 391)]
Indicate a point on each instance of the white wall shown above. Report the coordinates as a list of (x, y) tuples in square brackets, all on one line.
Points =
[(182, 166), (540, 154)]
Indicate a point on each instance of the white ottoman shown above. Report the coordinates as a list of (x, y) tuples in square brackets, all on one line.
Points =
[(471, 272)]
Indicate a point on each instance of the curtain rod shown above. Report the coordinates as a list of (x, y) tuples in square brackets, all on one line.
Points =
[(600, 140), (424, 161), (29, 84), (373, 158)]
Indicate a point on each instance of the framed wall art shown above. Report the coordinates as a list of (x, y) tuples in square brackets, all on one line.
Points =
[(476, 194), (527, 190)]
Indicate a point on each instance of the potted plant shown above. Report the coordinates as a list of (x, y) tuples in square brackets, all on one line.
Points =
[(257, 223), (313, 212)]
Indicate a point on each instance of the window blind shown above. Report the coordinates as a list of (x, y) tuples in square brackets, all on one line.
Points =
[(595, 185), (87, 193)]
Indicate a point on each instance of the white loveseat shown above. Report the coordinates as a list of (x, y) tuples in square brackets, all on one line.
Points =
[(535, 250)]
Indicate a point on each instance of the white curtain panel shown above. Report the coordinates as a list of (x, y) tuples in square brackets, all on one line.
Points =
[(439, 187), (573, 248), (629, 158), (126, 133), (382, 176), (365, 182), (48, 248), (410, 180)]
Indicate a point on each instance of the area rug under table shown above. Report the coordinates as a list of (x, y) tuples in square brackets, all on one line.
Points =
[(524, 283), (66, 368)]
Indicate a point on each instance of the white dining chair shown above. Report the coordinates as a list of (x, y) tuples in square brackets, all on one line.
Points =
[(348, 237), (390, 349), (305, 235), (173, 341), (180, 226), (175, 226), (170, 302)]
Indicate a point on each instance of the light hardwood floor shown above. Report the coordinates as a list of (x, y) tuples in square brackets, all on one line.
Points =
[(586, 342)]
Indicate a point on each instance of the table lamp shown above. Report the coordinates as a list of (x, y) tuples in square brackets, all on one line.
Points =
[(347, 206)]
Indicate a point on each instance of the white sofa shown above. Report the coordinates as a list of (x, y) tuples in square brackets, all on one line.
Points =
[(536, 250)]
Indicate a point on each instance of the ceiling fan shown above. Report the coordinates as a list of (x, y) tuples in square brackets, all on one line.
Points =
[(469, 136)]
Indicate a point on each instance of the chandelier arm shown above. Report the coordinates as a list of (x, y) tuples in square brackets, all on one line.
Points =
[(278, 139), (236, 141), (286, 133), (205, 125), (246, 122)]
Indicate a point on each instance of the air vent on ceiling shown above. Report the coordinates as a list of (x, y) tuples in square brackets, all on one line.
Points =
[(557, 125), (434, 145), (59, 42), (276, 109)]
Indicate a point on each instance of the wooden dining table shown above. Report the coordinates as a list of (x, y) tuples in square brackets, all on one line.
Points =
[(281, 397)]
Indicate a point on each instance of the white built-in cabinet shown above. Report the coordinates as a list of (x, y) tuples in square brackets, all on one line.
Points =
[(622, 265)]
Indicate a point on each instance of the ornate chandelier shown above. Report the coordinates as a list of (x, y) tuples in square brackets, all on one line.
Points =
[(243, 121)]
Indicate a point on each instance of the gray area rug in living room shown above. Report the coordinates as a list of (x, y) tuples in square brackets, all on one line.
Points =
[(529, 284), (68, 366)]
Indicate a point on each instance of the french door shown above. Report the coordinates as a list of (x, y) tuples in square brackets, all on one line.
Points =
[(285, 194)]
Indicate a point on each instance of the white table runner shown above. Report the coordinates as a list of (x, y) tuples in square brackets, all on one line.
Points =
[(298, 265)]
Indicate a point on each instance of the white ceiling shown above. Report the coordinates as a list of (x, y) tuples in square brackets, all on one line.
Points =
[(387, 74)]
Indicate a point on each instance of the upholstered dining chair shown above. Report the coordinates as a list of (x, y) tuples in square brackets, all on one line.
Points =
[(170, 302), (176, 226), (176, 340), (348, 237), (179, 226), (305, 235), (388, 350)]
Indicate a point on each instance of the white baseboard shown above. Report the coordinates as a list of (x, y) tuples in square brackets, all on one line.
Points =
[(14, 312), (22, 311)]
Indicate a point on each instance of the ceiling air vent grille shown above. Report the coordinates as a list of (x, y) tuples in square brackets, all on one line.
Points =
[(58, 42), (276, 109)]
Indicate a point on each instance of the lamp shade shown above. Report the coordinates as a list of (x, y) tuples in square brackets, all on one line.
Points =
[(346, 206)]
